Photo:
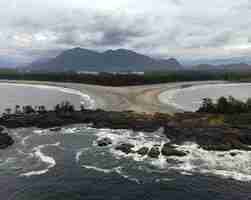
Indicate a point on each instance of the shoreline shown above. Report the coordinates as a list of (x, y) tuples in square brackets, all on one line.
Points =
[(87, 101), (141, 99), (167, 97)]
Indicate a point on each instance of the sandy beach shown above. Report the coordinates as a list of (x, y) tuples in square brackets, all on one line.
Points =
[(136, 98)]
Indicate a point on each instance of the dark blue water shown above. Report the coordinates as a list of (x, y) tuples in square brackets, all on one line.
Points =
[(79, 169)]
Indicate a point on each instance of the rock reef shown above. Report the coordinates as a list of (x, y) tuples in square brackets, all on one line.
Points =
[(210, 131)]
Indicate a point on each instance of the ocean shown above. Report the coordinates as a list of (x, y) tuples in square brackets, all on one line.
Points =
[(190, 98)]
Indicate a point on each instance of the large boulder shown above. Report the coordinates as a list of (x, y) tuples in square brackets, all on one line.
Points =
[(104, 142), (5, 140), (168, 150), (143, 151), (154, 152), (125, 148)]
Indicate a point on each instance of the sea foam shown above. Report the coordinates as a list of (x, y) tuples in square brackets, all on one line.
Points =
[(50, 161), (225, 164)]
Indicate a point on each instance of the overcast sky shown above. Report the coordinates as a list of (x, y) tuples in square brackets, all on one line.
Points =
[(185, 29)]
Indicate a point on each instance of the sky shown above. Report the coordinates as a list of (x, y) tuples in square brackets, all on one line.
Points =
[(184, 29)]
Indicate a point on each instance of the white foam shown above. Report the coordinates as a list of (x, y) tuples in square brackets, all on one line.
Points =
[(224, 164), (117, 170), (69, 130), (139, 140), (43, 158), (106, 171), (23, 141), (79, 154), (40, 132), (16, 134), (35, 173), (197, 160)]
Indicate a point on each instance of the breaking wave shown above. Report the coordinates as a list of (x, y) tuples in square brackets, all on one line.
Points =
[(233, 164), (49, 161)]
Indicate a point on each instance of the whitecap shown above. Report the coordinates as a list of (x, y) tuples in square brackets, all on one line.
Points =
[(106, 171), (23, 141), (117, 170), (50, 161), (139, 140), (80, 153), (69, 130), (35, 173), (198, 160)]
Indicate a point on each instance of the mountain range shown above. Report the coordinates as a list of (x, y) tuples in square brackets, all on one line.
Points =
[(79, 59), (223, 67)]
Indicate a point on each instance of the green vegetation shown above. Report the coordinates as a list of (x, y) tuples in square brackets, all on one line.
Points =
[(63, 107), (224, 105), (109, 79)]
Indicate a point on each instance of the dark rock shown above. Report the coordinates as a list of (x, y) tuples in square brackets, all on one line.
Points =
[(56, 129), (233, 154), (143, 151), (173, 161), (104, 142), (125, 148), (168, 150), (5, 140), (154, 152)]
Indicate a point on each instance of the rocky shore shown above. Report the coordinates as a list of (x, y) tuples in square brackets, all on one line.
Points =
[(5, 139), (209, 131)]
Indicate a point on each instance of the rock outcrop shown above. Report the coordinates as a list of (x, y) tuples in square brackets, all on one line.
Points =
[(104, 142), (168, 150), (125, 148), (209, 131), (154, 152), (143, 151), (5, 139)]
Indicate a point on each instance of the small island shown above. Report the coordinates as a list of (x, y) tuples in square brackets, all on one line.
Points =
[(220, 126)]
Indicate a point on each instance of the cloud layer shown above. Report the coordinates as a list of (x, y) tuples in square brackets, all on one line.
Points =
[(184, 29)]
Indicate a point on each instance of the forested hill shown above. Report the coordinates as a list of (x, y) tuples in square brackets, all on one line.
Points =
[(79, 59)]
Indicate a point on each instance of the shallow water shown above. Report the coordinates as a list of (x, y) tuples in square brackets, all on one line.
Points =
[(36, 95), (190, 98)]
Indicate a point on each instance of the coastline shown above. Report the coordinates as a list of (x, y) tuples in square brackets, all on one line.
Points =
[(187, 135), (141, 99), (168, 97)]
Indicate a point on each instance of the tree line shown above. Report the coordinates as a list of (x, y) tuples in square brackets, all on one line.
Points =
[(225, 105), (110, 79), (61, 108)]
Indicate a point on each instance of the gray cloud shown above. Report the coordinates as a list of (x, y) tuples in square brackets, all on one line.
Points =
[(179, 28)]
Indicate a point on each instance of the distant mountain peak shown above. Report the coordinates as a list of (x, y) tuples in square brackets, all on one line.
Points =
[(80, 59), (120, 51)]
